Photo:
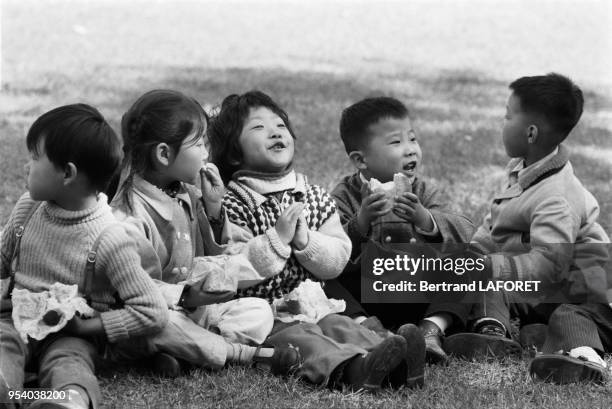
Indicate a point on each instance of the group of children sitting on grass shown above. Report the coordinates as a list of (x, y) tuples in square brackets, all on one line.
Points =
[(201, 256)]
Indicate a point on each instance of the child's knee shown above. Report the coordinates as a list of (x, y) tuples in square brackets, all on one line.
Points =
[(69, 351)]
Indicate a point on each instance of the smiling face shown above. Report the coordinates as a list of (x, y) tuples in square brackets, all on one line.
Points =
[(392, 148), (266, 143)]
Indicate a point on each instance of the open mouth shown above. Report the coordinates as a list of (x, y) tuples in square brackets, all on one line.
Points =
[(278, 146), (410, 166)]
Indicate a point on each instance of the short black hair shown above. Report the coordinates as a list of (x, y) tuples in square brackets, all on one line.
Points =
[(225, 128), (78, 133), (553, 96), (358, 117)]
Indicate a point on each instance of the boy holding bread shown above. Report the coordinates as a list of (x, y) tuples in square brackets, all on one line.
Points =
[(387, 201)]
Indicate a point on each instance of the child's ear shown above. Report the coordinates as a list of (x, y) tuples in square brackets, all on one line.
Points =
[(162, 154), (358, 159), (532, 134), (70, 173)]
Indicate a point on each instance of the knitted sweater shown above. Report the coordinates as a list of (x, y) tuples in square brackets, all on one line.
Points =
[(256, 203), (54, 248)]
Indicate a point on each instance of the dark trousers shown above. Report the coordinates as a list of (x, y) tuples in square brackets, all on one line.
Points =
[(62, 361), (324, 346), (504, 306), (394, 315), (571, 326)]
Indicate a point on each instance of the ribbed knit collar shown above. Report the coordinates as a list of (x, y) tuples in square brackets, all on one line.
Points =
[(62, 216), (266, 183), (250, 190)]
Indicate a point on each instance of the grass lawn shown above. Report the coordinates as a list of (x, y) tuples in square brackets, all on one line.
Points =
[(107, 54)]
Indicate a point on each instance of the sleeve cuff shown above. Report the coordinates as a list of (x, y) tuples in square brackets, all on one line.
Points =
[(311, 249), (113, 326), (281, 249), (433, 232)]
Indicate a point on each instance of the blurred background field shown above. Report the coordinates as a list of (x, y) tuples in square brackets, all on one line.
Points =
[(450, 61)]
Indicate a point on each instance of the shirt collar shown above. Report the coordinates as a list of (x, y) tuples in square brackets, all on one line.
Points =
[(520, 168), (160, 201), (525, 176)]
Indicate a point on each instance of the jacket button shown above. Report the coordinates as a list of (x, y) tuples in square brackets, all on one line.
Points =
[(388, 239)]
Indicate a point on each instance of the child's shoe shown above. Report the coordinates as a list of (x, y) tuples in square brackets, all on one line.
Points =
[(533, 336), (368, 372), (165, 365), (433, 335), (412, 371), (561, 368), (488, 340), (285, 361)]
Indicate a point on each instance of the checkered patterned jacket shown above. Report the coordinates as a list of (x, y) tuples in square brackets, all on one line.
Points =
[(258, 214)]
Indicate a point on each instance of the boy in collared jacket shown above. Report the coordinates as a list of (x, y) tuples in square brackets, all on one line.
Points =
[(543, 224)]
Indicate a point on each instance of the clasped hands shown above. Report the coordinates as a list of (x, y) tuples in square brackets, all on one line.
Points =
[(291, 226)]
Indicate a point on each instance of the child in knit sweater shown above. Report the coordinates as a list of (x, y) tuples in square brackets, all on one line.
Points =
[(293, 233), (165, 159), (49, 239)]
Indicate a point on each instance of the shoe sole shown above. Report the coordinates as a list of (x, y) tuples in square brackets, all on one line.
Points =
[(387, 356), (562, 369), (415, 355), (471, 346)]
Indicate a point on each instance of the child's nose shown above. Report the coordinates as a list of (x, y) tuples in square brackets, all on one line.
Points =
[(409, 149), (26, 167)]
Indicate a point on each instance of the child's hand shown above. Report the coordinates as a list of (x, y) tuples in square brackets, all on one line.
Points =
[(287, 222), (195, 298), (212, 190), (84, 327), (300, 239), (409, 207), (373, 205)]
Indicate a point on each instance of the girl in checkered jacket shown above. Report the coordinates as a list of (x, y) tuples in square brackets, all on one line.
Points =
[(293, 233)]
